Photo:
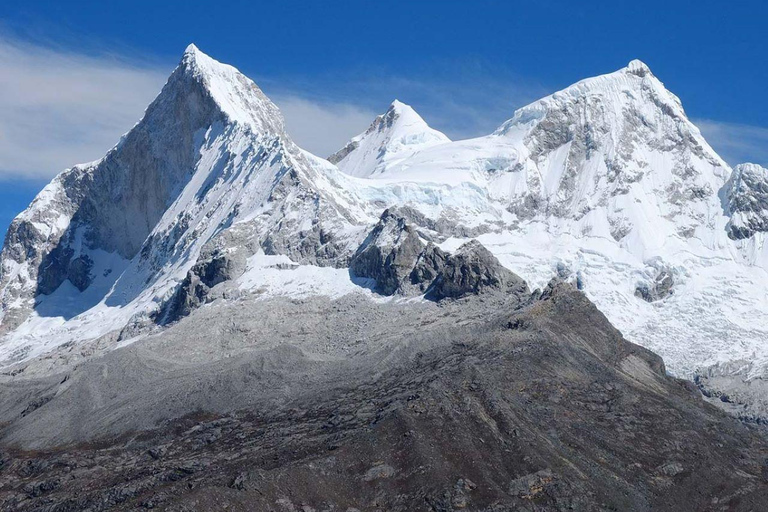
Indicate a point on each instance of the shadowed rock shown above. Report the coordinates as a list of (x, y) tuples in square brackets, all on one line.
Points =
[(659, 289), (746, 196), (391, 253), (472, 270), (400, 262)]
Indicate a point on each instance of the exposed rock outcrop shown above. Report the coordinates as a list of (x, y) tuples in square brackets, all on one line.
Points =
[(746, 194), (216, 266), (472, 269), (660, 288), (396, 257)]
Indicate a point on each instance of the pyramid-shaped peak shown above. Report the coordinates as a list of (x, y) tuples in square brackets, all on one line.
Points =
[(399, 106), (397, 109), (195, 59), (401, 114), (192, 49), (394, 135), (193, 55), (236, 95), (638, 67), (403, 125)]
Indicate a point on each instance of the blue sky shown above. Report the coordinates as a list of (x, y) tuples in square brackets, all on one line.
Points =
[(76, 75)]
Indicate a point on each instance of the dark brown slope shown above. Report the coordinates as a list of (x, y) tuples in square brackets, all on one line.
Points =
[(540, 408)]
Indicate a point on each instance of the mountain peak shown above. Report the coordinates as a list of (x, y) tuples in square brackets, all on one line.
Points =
[(392, 136), (236, 96), (633, 87), (404, 113), (193, 59), (400, 108), (638, 67), (398, 105), (192, 49)]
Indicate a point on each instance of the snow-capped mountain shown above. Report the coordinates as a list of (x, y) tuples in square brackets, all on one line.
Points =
[(606, 183), (110, 241), (392, 137)]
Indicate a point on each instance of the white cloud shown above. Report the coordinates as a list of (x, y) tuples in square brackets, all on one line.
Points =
[(60, 108), (736, 143), (322, 128)]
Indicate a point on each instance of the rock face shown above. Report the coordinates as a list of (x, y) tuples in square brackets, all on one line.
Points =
[(615, 125), (215, 266), (747, 201), (400, 262), (472, 270), (390, 254), (111, 205), (660, 288), (332, 405)]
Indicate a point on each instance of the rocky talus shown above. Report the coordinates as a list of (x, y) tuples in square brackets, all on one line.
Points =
[(501, 401)]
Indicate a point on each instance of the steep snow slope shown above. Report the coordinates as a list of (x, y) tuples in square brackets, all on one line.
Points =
[(209, 166), (393, 136)]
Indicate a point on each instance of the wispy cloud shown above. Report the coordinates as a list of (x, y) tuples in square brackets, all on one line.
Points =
[(462, 99), (736, 143), (60, 108), (322, 128)]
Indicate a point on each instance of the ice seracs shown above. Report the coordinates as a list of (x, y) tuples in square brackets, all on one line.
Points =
[(393, 136)]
